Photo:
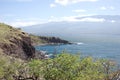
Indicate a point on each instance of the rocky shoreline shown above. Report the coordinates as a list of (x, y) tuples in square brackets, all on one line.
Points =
[(16, 43), (44, 53)]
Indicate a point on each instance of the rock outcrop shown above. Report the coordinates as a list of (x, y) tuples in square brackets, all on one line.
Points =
[(16, 43), (39, 40), (19, 44)]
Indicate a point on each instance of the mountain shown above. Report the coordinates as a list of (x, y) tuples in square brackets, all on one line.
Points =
[(85, 27)]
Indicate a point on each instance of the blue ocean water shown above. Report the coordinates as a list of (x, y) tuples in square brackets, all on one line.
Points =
[(97, 49)]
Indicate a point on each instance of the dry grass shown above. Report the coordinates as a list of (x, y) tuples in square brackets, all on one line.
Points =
[(36, 40), (7, 33)]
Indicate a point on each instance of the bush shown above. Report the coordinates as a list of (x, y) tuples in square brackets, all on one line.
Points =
[(63, 67), (71, 67)]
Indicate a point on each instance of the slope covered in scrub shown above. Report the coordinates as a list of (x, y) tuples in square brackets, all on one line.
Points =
[(15, 42)]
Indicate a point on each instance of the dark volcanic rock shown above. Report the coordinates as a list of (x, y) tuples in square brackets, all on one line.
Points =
[(15, 43), (54, 40), (20, 48)]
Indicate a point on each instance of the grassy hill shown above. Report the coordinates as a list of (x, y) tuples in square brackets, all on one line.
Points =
[(15, 42), (7, 33)]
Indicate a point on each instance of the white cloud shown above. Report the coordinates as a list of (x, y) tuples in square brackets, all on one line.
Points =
[(52, 5), (52, 18), (59, 19), (79, 10), (66, 2), (103, 8), (84, 18), (70, 18), (112, 8), (22, 24), (113, 21), (107, 8), (79, 18), (89, 19)]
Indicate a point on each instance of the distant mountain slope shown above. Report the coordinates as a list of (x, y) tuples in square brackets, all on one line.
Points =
[(65, 29), (109, 21)]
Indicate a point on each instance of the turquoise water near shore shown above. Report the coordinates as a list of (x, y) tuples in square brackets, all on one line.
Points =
[(97, 49)]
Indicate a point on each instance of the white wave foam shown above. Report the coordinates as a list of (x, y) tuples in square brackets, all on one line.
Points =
[(79, 43)]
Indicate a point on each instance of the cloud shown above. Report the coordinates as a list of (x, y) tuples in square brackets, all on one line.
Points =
[(52, 5), (79, 18), (111, 7), (66, 2), (112, 21), (103, 8), (60, 19), (89, 19), (79, 10), (22, 24), (84, 18), (107, 8)]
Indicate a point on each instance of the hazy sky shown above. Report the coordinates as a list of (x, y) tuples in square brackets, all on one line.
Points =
[(30, 12)]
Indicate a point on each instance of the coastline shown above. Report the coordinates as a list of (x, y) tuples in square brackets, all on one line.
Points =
[(44, 44)]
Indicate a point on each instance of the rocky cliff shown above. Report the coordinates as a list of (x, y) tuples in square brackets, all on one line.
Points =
[(19, 44), (16, 43)]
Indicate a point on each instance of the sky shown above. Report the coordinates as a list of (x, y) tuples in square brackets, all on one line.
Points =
[(30, 12)]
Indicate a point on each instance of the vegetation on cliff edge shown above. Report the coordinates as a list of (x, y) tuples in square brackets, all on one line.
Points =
[(15, 42), (63, 67), (38, 40), (7, 33)]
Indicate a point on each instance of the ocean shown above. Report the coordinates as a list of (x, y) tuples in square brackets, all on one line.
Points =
[(96, 50), (103, 47)]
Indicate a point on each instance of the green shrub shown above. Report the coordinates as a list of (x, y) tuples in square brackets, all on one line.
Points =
[(63, 67), (71, 67)]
